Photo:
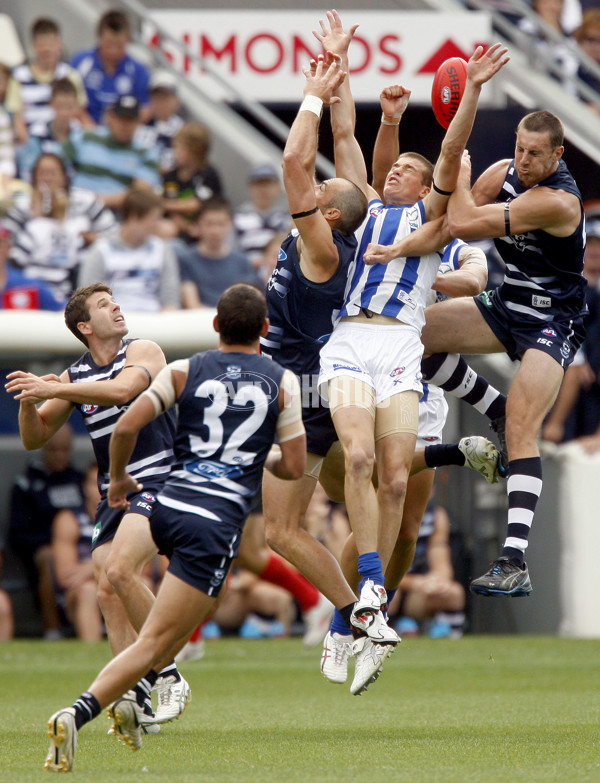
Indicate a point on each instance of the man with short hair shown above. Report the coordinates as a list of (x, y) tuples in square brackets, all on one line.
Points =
[(100, 385), (108, 72), (140, 267), (232, 403), (108, 160), (532, 208)]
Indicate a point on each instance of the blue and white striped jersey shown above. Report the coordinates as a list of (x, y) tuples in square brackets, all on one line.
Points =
[(227, 419), (543, 279), (153, 453), (398, 289)]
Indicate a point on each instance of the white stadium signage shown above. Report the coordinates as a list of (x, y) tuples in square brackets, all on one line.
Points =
[(261, 54)]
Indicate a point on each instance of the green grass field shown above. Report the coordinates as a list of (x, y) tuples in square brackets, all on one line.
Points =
[(483, 708)]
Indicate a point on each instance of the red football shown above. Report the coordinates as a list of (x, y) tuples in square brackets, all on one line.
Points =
[(448, 88)]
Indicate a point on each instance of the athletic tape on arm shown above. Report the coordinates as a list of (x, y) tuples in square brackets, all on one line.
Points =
[(289, 423), (162, 392)]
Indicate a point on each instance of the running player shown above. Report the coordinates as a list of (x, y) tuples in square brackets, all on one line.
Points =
[(100, 385), (232, 403)]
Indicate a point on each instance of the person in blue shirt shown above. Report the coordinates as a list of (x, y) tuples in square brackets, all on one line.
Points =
[(108, 72)]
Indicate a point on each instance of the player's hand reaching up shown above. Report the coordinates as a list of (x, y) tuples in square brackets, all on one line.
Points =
[(334, 39), (323, 80), (394, 100), (483, 65)]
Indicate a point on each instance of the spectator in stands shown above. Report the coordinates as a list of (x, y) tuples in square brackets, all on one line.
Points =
[(18, 292), (190, 183), (587, 36), (576, 412), (258, 220), (211, 266), (429, 592), (108, 72), (108, 160), (53, 224), (7, 149), (47, 485), (139, 266), (52, 135), (72, 531), (253, 607), (546, 50), (163, 122), (30, 88)]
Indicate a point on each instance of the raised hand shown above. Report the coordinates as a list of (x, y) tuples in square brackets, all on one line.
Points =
[(334, 38), (483, 65), (394, 100), (324, 79)]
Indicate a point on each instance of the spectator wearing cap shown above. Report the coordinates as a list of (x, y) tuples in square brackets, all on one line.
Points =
[(108, 160), (108, 72), (18, 292), (190, 183), (576, 412), (258, 220), (164, 121)]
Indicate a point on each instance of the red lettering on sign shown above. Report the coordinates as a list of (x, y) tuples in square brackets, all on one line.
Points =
[(250, 56), (208, 49), (396, 60), (302, 54), (366, 56)]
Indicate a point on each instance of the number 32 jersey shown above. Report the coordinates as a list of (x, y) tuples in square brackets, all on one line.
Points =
[(227, 422)]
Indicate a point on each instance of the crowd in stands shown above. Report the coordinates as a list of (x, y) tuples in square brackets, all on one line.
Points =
[(103, 178)]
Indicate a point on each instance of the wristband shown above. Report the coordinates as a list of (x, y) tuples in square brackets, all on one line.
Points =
[(440, 191), (312, 103), (390, 119), (308, 213), (506, 221)]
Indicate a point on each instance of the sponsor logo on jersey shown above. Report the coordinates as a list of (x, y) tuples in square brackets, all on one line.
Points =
[(149, 497), (549, 332), (407, 300), (541, 301), (89, 409), (337, 366), (147, 506), (212, 470)]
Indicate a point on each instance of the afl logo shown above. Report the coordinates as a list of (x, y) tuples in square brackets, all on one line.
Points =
[(398, 371), (446, 94), (549, 332), (376, 211), (89, 409), (148, 496)]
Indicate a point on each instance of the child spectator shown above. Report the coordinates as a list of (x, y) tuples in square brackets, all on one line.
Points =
[(191, 182), (51, 136), (108, 72), (140, 267), (259, 219), (30, 89), (211, 266), (53, 224), (72, 531), (164, 122), (108, 160)]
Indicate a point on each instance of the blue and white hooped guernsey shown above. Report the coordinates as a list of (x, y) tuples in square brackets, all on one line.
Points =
[(398, 289)]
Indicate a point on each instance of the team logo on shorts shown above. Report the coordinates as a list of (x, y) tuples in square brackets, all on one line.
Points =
[(396, 373), (549, 332), (485, 298), (148, 496), (218, 577), (96, 531), (565, 351), (337, 366), (88, 409)]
